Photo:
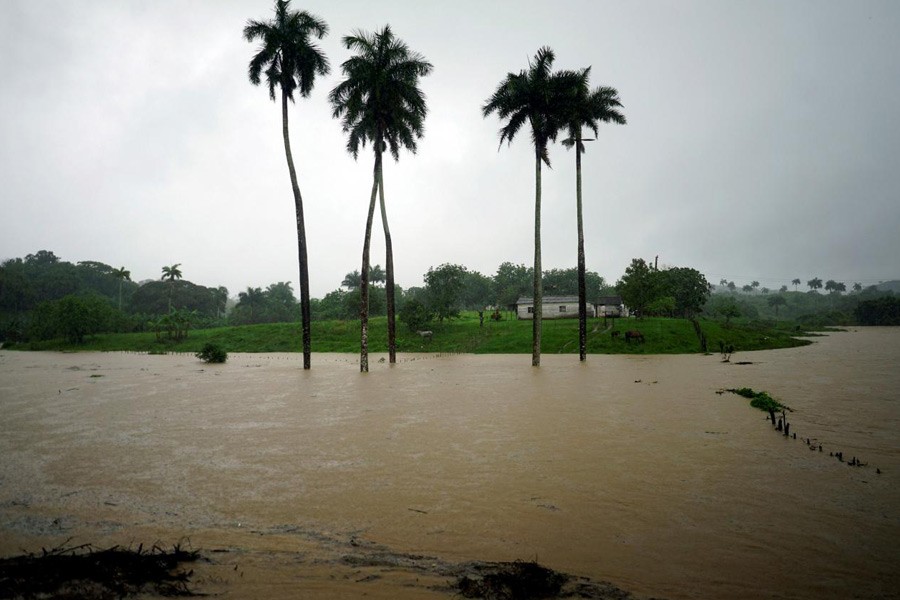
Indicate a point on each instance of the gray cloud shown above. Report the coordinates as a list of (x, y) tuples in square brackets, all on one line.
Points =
[(762, 141)]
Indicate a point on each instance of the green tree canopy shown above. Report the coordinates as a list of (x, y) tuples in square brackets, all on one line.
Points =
[(443, 289)]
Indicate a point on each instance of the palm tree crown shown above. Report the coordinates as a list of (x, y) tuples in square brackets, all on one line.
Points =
[(380, 102), (535, 96), (586, 108), (287, 56), (171, 273)]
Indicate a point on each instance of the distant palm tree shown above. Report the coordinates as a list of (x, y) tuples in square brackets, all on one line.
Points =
[(379, 102), (252, 298), (290, 61), (220, 297), (351, 280), (777, 301), (814, 284), (857, 287), (170, 274), (123, 275), (796, 282), (586, 108), (535, 96)]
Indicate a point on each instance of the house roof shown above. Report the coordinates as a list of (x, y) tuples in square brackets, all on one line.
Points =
[(550, 300), (604, 300)]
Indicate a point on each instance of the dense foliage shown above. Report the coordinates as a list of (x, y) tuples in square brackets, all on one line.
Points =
[(881, 311), (677, 291)]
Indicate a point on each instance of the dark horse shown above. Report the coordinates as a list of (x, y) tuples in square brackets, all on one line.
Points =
[(635, 335)]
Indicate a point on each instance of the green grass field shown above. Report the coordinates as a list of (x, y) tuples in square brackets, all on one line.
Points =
[(509, 336)]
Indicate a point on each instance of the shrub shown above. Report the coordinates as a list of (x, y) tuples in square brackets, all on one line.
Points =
[(416, 315), (212, 353)]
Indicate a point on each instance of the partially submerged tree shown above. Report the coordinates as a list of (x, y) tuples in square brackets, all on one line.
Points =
[(585, 109), (534, 96), (379, 102), (290, 62)]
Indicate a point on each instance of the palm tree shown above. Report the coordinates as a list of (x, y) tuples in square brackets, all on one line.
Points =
[(777, 301), (171, 274), (123, 275), (586, 109), (252, 298), (379, 102), (220, 297), (536, 96), (796, 282), (290, 61)]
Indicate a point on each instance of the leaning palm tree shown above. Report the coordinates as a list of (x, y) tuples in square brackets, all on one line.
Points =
[(535, 96), (379, 102), (586, 109), (122, 275), (290, 61)]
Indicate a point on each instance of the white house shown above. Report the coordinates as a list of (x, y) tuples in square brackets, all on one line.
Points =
[(554, 307)]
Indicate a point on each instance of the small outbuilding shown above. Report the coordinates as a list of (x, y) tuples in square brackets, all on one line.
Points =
[(610, 306)]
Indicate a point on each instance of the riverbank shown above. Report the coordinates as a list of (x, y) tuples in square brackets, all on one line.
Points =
[(466, 334), (332, 483)]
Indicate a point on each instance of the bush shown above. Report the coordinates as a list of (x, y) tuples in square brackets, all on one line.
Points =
[(212, 353), (416, 315)]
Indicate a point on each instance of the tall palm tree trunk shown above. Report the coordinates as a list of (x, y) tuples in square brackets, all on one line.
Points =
[(364, 273), (301, 235), (582, 285), (538, 315), (389, 276)]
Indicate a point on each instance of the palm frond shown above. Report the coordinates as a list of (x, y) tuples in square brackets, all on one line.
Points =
[(287, 57), (379, 101)]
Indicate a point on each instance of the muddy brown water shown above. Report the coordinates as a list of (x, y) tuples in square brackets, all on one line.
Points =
[(329, 483)]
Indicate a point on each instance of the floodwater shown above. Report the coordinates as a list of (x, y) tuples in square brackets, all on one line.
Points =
[(330, 483)]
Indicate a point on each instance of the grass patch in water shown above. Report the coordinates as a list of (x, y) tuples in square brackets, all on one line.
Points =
[(761, 400)]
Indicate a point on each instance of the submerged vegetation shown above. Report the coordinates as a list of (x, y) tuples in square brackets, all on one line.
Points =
[(761, 400)]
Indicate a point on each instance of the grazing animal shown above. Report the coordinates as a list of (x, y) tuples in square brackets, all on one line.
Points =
[(634, 334), (426, 335)]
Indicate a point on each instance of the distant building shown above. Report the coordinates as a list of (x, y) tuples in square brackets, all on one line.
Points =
[(610, 306), (554, 307)]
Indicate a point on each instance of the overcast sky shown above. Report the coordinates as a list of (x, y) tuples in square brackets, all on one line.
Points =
[(763, 141)]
